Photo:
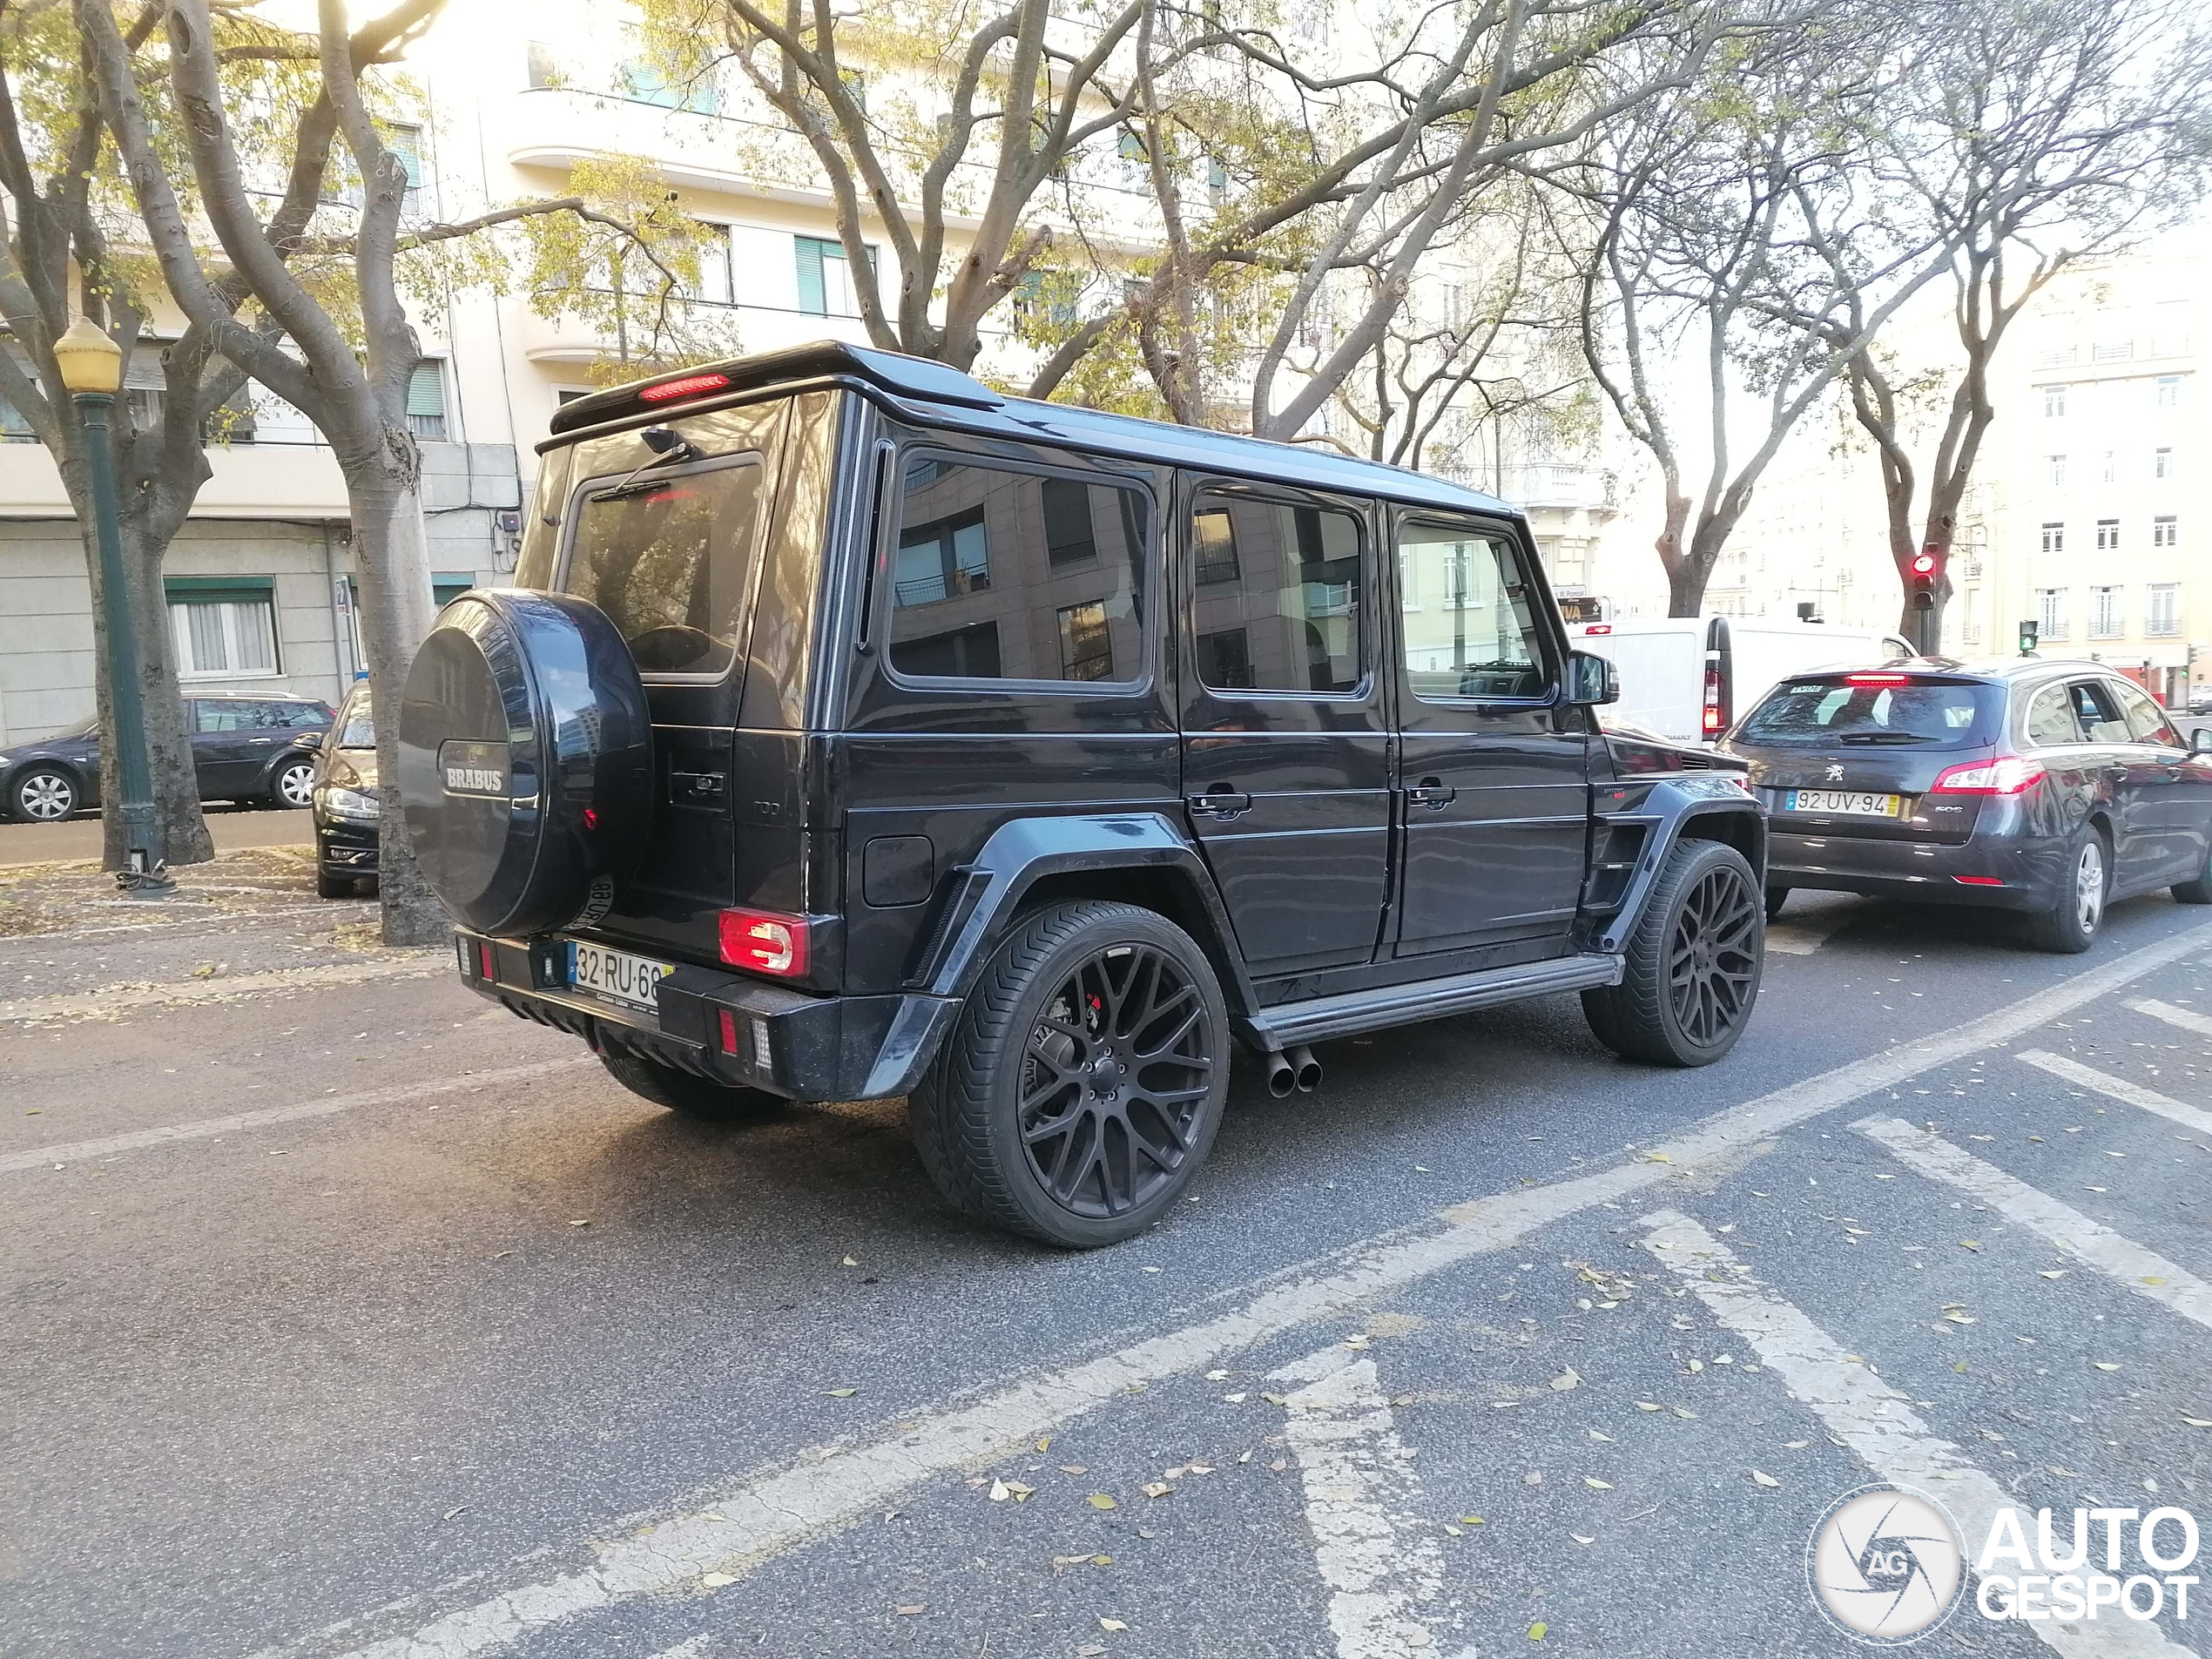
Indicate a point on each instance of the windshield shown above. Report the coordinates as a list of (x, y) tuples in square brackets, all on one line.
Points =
[(670, 560), (83, 729), (355, 729), (1869, 712)]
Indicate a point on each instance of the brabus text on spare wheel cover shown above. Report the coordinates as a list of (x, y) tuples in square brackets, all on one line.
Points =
[(469, 767)]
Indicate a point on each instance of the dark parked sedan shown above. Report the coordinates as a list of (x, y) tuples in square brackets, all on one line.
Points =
[(253, 749), (2047, 787), (346, 799)]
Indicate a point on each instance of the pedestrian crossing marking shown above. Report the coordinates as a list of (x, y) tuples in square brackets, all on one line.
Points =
[(2118, 1089)]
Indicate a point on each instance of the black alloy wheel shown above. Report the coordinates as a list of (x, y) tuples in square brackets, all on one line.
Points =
[(1116, 1070), (1712, 967)]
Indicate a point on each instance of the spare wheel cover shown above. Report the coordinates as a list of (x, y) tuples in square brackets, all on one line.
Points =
[(526, 761)]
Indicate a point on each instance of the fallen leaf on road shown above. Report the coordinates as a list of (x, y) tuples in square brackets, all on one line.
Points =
[(1647, 1406), (1155, 1488), (1537, 1631), (1001, 1492), (1216, 1376), (1235, 1399), (2152, 1279), (2052, 1272), (1102, 1561), (843, 1393), (1090, 1650), (1565, 1380), (1956, 1318), (908, 1612), (1533, 1477), (1596, 1485), (1582, 1538), (1044, 1443), (716, 1581), (586, 1222), (1649, 1157), (1279, 1466), (1075, 1468), (1763, 1479), (1360, 1341), (2106, 1365), (1111, 1624), (1684, 1413), (1099, 1500), (1201, 1468), (1599, 1434), (1795, 1445), (1697, 1365), (1969, 1244), (1276, 1400), (2197, 1422), (1470, 1520), (848, 1261)]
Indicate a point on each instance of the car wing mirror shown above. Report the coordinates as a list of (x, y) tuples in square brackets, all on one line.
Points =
[(1591, 679), (2201, 740)]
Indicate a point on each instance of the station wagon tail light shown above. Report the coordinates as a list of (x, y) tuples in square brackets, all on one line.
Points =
[(762, 942), (2007, 775), (683, 386), (1713, 718), (1590, 630)]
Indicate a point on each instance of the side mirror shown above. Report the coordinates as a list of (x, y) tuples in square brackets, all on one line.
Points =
[(1591, 679), (2201, 740)]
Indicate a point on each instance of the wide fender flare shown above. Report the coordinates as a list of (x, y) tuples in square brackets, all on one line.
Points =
[(988, 895), (1675, 810)]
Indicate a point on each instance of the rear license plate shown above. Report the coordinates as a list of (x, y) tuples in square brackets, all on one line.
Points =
[(615, 975), (1852, 802)]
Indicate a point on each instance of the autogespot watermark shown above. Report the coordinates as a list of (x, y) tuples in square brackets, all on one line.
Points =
[(1888, 1565)]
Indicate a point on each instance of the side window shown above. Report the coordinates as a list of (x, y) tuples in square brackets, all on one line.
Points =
[(1275, 589), (2099, 714), (2050, 718), (2146, 720), (227, 715), (1474, 633), (1013, 575)]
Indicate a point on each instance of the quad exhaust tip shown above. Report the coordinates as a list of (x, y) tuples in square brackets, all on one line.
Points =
[(1295, 1069)]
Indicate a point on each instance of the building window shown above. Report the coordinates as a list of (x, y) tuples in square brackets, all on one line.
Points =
[(1213, 541), (2111, 471), (2164, 620), (2054, 539), (1970, 601), (406, 143), (2104, 613), (2050, 612), (2054, 402), (647, 82), (1069, 537), (2166, 531), (2162, 464), (1086, 642), (2054, 470), (2107, 535), (826, 278), (224, 627), (715, 285), (2112, 351), (1129, 146), (2169, 391), (425, 401)]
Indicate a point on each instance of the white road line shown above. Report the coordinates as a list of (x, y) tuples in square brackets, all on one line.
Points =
[(2120, 1088), (230, 987), (836, 1486), (1376, 1550), (2172, 1015), (45, 1157), (694, 1648), (2144, 1272), (1861, 1412)]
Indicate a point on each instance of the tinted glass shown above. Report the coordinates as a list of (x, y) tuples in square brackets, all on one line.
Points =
[(303, 717), (2050, 718), (1276, 590), (237, 715), (1013, 576), (671, 561), (356, 729), (1471, 629), (2099, 711), (2146, 720), (1835, 710)]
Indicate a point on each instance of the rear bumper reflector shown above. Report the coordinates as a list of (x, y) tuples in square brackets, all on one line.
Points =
[(1980, 880)]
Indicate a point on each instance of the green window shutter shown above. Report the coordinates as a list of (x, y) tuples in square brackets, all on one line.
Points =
[(406, 143), (812, 300), (219, 589), (446, 586), (426, 388)]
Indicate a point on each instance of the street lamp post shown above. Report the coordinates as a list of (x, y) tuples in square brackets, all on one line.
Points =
[(92, 367)]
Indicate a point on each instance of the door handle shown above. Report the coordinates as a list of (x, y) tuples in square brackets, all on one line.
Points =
[(1434, 793), (1221, 802), (261, 739)]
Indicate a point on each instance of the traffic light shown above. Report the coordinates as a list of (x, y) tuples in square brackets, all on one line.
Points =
[(2029, 631), (1924, 577)]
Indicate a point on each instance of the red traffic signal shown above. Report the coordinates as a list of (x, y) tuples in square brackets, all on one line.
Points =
[(1923, 577), (1924, 564)]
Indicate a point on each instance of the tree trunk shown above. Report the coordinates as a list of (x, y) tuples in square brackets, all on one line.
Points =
[(394, 558), (1685, 586), (169, 753)]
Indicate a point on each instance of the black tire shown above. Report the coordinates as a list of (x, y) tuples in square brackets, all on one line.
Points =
[(43, 794), (697, 1097), (2200, 890), (2070, 926), (281, 793), (1776, 898), (1012, 1090), (332, 886), (1691, 976)]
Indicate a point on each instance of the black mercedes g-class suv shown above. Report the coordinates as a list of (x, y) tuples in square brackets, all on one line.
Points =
[(854, 732)]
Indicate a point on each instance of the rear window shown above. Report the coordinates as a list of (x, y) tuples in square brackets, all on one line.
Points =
[(668, 558), (1910, 713)]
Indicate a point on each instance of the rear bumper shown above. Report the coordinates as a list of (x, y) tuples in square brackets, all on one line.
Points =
[(2029, 868), (345, 848), (804, 1048)]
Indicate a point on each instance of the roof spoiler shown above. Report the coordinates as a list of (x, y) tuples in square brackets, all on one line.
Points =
[(917, 377)]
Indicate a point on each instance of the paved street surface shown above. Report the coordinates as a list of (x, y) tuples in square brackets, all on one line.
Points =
[(346, 1314), (234, 827)]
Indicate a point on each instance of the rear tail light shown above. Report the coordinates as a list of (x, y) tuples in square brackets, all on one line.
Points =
[(685, 386), (486, 961), (1878, 679), (1591, 631), (1715, 717), (762, 942), (2006, 775)]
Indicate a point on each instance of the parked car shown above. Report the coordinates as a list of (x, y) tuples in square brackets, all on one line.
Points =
[(1685, 677), (346, 804), (256, 750), (2048, 787), (853, 732), (2201, 700)]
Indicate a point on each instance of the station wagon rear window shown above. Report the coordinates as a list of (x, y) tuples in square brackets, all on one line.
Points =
[(668, 558), (1875, 710), (999, 575)]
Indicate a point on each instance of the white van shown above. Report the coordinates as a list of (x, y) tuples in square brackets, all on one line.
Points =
[(1686, 677)]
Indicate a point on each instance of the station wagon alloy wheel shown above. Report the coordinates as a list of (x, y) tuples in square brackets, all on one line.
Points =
[(1712, 964), (295, 784), (2089, 885), (1114, 1078), (45, 796)]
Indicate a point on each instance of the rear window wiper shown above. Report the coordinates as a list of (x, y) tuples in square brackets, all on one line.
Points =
[(1884, 737), (669, 450)]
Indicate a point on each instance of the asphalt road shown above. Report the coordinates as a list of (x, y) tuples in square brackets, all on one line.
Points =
[(234, 827), (347, 1315)]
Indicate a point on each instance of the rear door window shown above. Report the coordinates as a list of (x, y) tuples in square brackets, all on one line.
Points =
[(2099, 712), (1874, 711), (2146, 720), (669, 557), (2050, 720), (1002, 575), (1275, 587)]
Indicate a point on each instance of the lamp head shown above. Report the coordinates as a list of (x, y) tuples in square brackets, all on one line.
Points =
[(89, 361)]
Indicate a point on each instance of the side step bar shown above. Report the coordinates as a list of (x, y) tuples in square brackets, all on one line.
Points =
[(1349, 1013)]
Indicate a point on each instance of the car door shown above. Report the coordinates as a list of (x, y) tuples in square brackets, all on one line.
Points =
[(2168, 790), (1492, 772), (2126, 778), (1285, 744), (222, 729)]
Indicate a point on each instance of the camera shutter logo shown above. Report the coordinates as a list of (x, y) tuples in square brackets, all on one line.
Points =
[(1886, 1565)]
